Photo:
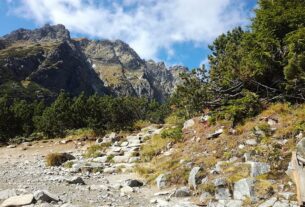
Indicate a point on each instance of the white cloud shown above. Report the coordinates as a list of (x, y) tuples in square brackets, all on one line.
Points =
[(147, 25)]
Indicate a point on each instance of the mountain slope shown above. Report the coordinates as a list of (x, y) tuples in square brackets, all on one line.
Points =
[(49, 59)]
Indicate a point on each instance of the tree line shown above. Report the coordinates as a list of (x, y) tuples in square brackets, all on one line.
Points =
[(100, 113)]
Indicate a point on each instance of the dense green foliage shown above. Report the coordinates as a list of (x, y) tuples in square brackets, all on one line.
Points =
[(101, 113), (263, 64)]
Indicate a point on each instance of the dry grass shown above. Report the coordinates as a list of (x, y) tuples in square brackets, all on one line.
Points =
[(140, 124), (96, 150), (57, 159), (153, 147)]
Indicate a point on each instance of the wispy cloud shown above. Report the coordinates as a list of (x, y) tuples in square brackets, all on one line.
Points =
[(148, 26)]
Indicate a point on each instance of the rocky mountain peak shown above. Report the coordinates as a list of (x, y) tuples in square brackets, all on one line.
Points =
[(47, 32), (95, 66)]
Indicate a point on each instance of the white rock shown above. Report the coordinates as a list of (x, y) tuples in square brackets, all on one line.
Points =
[(251, 142), (161, 181), (127, 189), (188, 124), (21, 200), (268, 203), (5, 194)]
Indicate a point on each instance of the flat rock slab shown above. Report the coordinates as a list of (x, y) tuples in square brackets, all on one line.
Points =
[(21, 200), (5, 194)]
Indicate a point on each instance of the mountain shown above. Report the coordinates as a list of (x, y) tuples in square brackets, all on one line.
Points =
[(40, 63)]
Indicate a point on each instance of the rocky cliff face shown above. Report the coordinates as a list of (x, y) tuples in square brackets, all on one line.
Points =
[(44, 61)]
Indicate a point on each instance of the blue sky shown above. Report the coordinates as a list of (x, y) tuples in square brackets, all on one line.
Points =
[(173, 31)]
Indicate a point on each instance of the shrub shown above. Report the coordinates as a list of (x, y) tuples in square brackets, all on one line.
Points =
[(57, 159), (96, 150), (153, 147), (110, 158), (140, 124), (172, 133), (238, 109)]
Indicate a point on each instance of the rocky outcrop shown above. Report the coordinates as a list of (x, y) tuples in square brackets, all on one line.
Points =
[(51, 61)]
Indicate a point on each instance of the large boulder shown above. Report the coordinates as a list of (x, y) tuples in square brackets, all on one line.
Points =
[(5, 194), (244, 188), (21, 200), (45, 196)]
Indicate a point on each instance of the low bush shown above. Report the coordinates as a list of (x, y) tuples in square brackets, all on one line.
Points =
[(173, 133), (57, 159), (153, 147), (140, 124), (96, 150)]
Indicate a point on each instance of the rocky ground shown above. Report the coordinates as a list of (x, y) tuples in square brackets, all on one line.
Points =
[(89, 182)]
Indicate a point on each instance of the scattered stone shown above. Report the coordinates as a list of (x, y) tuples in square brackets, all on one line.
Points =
[(244, 188), (109, 170), (100, 159), (216, 134), (272, 122), (268, 203), (127, 189), (188, 124), (133, 159), (258, 168), (205, 197), (75, 180), (222, 194), (45, 196), (220, 182), (21, 200), (251, 142), (205, 118), (182, 192), (133, 183), (11, 146), (258, 132), (5, 194)]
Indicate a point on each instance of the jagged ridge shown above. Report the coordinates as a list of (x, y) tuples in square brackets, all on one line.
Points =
[(50, 58)]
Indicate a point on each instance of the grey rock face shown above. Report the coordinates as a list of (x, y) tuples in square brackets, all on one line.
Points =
[(244, 188), (259, 168), (194, 179), (58, 32), (301, 149)]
